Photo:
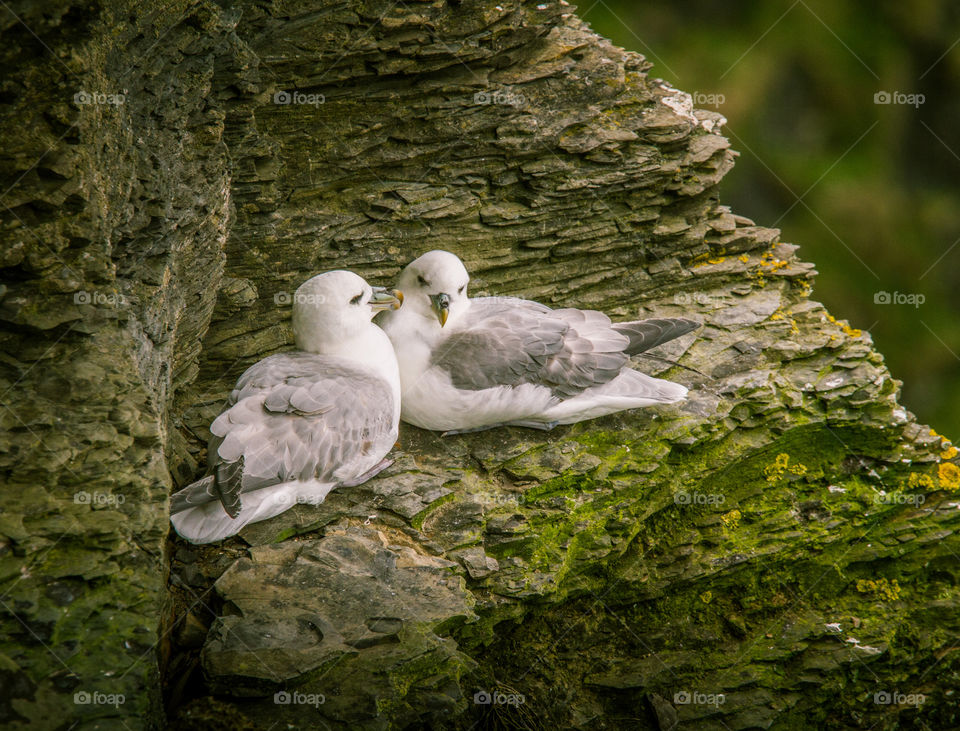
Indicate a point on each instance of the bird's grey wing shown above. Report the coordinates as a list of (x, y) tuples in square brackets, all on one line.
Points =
[(298, 416), (513, 342), (647, 334)]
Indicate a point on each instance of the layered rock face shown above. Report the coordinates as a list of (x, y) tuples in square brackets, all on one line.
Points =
[(777, 551)]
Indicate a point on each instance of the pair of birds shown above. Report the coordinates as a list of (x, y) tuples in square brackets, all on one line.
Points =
[(301, 423)]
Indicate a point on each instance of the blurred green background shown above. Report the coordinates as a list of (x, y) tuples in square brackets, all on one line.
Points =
[(878, 184)]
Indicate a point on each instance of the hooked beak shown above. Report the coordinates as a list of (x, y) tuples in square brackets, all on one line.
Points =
[(441, 306), (384, 299)]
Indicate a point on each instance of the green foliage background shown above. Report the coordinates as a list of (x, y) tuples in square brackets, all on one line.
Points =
[(879, 183)]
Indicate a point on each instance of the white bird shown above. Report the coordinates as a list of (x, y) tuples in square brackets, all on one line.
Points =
[(301, 423), (471, 364)]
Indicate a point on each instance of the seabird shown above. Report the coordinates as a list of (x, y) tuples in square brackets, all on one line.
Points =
[(301, 423), (471, 364)]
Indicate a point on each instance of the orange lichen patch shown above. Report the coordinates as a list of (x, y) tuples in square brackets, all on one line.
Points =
[(949, 475), (949, 453), (845, 327), (779, 314), (772, 263), (744, 258)]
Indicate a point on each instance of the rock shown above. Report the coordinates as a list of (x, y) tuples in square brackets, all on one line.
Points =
[(305, 610), (665, 713), (149, 250)]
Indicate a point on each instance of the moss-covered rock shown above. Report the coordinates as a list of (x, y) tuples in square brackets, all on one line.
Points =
[(775, 552)]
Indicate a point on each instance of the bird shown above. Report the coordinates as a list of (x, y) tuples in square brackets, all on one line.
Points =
[(300, 423), (469, 364)]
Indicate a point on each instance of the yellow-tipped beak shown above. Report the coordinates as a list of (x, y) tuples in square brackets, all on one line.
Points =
[(383, 299), (441, 307)]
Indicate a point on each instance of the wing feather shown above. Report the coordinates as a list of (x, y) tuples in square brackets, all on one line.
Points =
[(647, 334), (298, 416), (512, 342)]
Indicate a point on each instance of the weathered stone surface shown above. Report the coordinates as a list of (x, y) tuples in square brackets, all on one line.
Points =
[(304, 610), (785, 539)]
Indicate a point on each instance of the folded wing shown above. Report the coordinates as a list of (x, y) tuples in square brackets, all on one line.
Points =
[(294, 416), (514, 342)]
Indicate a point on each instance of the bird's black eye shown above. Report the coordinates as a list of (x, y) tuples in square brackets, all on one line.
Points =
[(422, 281), (356, 300), (460, 291)]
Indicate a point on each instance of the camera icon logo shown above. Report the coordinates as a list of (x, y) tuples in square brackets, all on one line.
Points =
[(882, 298), (282, 97), (283, 698), (882, 698), (882, 97), (81, 498), (81, 98), (81, 298), (81, 697), (282, 298), (682, 698), (482, 698)]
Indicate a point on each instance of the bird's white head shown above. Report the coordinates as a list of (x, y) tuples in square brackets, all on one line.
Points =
[(436, 287), (331, 309)]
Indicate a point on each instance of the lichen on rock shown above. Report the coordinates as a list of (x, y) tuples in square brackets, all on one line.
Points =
[(769, 553)]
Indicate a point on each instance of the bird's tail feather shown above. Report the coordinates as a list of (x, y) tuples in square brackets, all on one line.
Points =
[(647, 334), (206, 522)]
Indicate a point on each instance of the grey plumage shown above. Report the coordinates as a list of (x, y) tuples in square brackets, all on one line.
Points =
[(510, 341), (293, 416), (647, 334)]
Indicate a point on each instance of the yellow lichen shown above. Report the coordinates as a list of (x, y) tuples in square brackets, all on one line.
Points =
[(771, 262), (949, 475), (732, 519), (744, 258), (886, 590), (706, 597), (948, 453), (779, 314), (918, 480), (845, 327), (781, 466)]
